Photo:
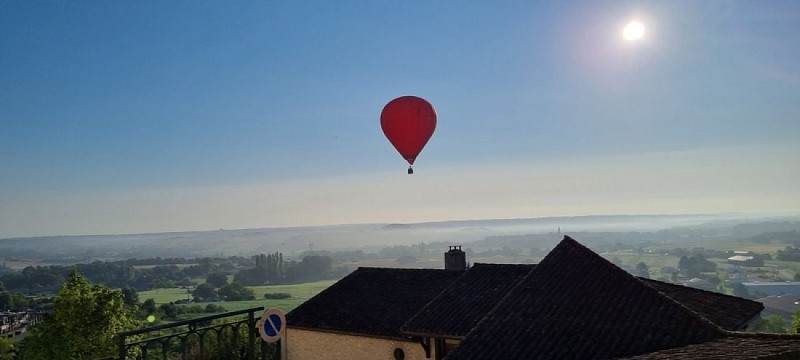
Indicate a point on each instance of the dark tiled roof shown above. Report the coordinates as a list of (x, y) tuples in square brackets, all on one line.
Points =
[(729, 312), (372, 301), (462, 305), (783, 305), (736, 347), (575, 304)]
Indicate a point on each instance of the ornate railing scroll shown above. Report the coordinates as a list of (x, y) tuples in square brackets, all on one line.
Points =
[(231, 335)]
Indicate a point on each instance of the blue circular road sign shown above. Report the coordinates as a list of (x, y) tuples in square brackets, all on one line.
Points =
[(271, 325)]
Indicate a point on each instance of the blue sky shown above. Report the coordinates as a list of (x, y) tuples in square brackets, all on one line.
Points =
[(149, 116)]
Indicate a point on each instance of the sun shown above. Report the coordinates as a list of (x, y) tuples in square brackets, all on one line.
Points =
[(633, 31)]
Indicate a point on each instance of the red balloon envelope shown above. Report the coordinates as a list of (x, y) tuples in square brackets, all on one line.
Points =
[(408, 123)]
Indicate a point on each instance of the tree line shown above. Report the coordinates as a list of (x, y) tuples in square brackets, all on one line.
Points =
[(790, 253), (273, 269), (257, 270)]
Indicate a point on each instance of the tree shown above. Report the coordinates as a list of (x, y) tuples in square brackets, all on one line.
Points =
[(795, 323), (235, 291), (693, 265), (6, 300), (771, 324), (687, 266), (204, 291), (269, 269), (130, 296), (217, 279), (212, 308), (642, 270), (149, 307), (169, 310), (6, 349), (83, 324), (311, 268)]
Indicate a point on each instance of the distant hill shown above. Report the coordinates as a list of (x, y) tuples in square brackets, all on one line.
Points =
[(293, 241)]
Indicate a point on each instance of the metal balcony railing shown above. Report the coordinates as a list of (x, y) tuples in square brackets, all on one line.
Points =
[(231, 335)]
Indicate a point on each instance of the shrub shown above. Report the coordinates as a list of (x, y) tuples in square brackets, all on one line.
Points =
[(213, 308), (194, 309), (277, 296)]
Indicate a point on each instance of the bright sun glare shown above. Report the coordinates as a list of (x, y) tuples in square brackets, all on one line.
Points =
[(633, 31)]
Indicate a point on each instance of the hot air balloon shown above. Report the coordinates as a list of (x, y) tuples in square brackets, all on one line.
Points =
[(408, 122)]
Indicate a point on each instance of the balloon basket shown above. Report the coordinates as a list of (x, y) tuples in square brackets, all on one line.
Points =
[(410, 170)]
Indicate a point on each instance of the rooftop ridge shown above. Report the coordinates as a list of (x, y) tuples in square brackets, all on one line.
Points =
[(652, 283), (572, 242), (696, 289), (379, 268), (454, 287), (758, 335), (545, 330), (514, 288)]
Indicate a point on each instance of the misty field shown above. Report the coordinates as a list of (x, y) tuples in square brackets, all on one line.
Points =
[(300, 293)]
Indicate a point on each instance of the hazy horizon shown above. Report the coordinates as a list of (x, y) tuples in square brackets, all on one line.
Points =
[(294, 241), (640, 222), (149, 116)]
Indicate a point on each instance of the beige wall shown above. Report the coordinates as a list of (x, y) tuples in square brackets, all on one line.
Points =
[(317, 345)]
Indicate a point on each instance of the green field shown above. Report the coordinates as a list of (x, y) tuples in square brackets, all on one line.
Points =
[(300, 293)]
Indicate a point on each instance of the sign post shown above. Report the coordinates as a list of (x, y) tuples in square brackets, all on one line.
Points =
[(271, 325)]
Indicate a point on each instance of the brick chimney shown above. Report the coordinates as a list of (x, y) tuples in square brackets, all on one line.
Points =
[(455, 259)]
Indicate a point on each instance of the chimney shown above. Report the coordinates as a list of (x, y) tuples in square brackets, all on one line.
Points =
[(455, 259)]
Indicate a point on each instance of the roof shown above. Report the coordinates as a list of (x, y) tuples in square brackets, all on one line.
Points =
[(771, 283), (464, 303), (729, 312), (784, 305), (734, 347), (740, 258), (575, 304), (372, 301)]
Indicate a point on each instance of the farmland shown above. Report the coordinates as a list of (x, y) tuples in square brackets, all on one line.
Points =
[(300, 293)]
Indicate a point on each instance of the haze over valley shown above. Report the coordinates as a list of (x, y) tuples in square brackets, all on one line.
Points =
[(371, 238)]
